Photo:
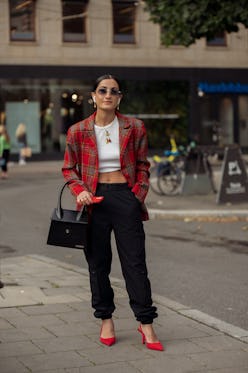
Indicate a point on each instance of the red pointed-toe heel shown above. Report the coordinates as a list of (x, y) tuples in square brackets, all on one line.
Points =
[(107, 341), (157, 346)]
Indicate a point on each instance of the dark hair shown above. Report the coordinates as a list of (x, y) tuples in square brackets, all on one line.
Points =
[(103, 77)]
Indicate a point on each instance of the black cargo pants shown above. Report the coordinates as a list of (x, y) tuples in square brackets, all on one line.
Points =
[(119, 212)]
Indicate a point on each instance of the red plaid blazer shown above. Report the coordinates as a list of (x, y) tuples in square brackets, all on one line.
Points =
[(81, 157)]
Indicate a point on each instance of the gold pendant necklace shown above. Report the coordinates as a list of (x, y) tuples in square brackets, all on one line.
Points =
[(108, 139)]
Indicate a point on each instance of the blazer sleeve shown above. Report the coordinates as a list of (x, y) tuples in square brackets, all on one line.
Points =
[(141, 186), (70, 169)]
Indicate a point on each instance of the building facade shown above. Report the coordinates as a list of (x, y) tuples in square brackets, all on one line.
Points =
[(52, 51)]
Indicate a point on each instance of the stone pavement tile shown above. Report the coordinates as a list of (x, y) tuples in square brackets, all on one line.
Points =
[(57, 360), (37, 282), (58, 344), (12, 365), (33, 292), (46, 309), (182, 347), (75, 316), (123, 367), (121, 293), (206, 329), (162, 363), (72, 329), (123, 313), (174, 331), (35, 321), (219, 343), (19, 296), (63, 298), (128, 323), (83, 306), (117, 353), (177, 320), (18, 349), (63, 290), (11, 312), (83, 295), (15, 335), (65, 280), (4, 324), (222, 359), (126, 336)]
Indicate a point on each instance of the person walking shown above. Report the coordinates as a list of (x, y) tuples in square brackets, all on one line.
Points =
[(106, 155), (4, 150), (21, 137)]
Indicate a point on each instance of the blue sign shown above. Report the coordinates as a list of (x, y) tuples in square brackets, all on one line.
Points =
[(222, 87)]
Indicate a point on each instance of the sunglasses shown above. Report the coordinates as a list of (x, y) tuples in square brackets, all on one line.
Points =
[(112, 91)]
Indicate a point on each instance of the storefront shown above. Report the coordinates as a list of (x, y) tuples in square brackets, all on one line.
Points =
[(224, 113), (212, 104), (47, 107)]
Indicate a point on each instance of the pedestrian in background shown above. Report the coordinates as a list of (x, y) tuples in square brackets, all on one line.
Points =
[(4, 151), (106, 155), (21, 138)]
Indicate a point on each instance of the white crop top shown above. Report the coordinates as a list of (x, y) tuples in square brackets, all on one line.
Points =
[(108, 146)]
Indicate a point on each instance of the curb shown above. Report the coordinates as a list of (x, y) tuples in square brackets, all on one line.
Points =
[(170, 214)]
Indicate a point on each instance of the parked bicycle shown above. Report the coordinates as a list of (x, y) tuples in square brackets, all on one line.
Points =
[(167, 173)]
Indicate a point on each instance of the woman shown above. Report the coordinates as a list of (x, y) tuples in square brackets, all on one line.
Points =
[(21, 137), (106, 155), (4, 150)]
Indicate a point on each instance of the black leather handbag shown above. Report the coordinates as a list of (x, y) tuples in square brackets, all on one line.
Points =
[(68, 228)]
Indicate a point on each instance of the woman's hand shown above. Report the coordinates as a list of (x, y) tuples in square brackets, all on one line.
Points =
[(85, 198)]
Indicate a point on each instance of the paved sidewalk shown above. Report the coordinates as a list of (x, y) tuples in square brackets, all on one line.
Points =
[(46, 325)]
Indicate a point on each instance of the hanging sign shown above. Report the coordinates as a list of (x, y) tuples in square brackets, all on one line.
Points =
[(234, 181)]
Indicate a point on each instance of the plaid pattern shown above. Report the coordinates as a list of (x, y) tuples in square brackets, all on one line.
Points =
[(81, 157)]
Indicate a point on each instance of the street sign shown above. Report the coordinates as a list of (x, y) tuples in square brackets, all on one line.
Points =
[(234, 181)]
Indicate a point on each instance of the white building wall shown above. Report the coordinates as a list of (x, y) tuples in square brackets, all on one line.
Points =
[(99, 50)]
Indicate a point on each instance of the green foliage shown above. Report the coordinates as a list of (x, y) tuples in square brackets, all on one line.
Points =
[(185, 21)]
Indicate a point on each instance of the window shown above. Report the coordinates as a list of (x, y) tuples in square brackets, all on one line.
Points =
[(74, 24), (22, 20), (218, 40), (124, 21)]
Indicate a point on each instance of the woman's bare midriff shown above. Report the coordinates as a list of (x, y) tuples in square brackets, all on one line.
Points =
[(111, 177)]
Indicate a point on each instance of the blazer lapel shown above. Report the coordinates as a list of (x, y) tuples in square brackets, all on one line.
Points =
[(125, 130), (88, 130)]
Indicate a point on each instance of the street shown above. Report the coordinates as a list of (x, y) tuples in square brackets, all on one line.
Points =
[(201, 264)]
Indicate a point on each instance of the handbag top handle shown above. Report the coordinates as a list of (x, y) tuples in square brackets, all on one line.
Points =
[(59, 210)]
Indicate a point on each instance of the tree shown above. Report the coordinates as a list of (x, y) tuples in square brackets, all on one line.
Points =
[(185, 21)]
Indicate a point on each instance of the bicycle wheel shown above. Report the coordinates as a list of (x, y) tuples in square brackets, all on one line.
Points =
[(170, 183), (154, 180)]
